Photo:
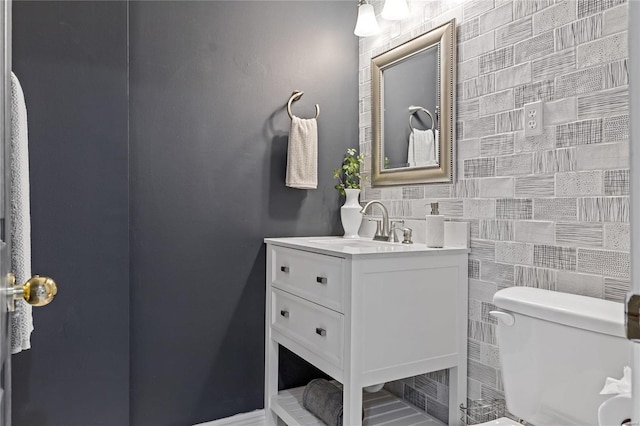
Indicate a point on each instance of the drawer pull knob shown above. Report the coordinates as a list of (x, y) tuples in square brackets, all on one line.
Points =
[(321, 331), (321, 280), (284, 269), (284, 313)]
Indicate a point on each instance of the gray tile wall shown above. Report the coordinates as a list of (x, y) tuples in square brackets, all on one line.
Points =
[(548, 211)]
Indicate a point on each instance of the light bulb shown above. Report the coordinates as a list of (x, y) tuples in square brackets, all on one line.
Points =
[(366, 25), (395, 10)]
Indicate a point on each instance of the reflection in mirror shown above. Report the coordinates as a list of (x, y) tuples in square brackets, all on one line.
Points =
[(410, 102), (412, 95)]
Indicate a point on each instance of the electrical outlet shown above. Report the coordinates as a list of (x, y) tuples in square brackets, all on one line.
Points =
[(533, 119)]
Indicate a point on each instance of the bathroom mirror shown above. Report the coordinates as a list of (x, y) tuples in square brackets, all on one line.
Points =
[(413, 96)]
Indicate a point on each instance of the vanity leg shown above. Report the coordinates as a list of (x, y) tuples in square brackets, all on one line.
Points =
[(271, 348), (457, 393), (352, 403), (271, 380)]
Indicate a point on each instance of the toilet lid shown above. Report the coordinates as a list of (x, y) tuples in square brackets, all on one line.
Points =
[(502, 421)]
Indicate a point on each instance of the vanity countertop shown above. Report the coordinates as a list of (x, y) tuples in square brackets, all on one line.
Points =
[(361, 247)]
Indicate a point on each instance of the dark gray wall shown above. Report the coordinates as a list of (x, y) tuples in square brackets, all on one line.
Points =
[(209, 81), (71, 58)]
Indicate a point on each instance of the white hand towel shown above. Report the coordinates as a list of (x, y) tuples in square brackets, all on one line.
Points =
[(411, 158), (302, 154), (422, 150), (21, 321)]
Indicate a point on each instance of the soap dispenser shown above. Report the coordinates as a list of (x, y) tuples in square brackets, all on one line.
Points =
[(435, 228)]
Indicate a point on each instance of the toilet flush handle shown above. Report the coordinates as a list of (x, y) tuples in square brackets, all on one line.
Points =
[(504, 317)]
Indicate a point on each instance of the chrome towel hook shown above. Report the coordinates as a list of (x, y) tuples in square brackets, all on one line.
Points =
[(296, 95), (414, 109)]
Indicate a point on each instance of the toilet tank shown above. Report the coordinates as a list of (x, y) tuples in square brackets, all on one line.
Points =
[(556, 355)]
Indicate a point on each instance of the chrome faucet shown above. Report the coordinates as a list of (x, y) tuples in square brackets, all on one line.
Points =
[(381, 234)]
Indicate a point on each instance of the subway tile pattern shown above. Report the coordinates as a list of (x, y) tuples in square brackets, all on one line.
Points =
[(588, 7), (615, 19), (579, 234), (514, 253), (514, 208), (495, 18), (510, 121), (554, 257), (603, 209), (610, 102), (527, 7), (499, 273), (583, 284), (532, 92), (616, 289), (554, 17), (534, 47), (616, 74), (498, 230), (496, 60), (526, 276), (478, 86), (556, 64), (617, 236), (535, 186), (578, 82), (558, 160), (579, 32), (555, 209), (511, 165), (498, 187), (535, 231), (514, 32), (603, 50), (603, 262), (497, 145), (616, 182), (513, 76), (616, 128), (549, 211), (479, 167), (579, 133)]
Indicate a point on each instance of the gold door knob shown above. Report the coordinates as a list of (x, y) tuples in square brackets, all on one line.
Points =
[(37, 291)]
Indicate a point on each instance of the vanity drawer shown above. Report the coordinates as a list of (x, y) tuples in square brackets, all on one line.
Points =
[(315, 277), (319, 329)]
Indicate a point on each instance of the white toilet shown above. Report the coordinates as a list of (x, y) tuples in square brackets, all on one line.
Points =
[(556, 351)]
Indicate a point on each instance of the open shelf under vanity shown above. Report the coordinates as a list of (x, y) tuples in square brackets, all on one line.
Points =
[(380, 408)]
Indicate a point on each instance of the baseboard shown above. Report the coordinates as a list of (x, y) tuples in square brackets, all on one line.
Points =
[(256, 416)]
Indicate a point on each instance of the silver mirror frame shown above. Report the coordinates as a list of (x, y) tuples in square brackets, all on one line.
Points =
[(445, 35)]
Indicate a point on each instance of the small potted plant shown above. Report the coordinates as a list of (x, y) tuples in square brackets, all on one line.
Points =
[(349, 174), (349, 177)]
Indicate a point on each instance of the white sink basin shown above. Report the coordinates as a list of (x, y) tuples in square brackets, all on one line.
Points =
[(383, 246), (351, 242)]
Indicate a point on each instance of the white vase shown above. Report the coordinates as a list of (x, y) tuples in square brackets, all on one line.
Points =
[(350, 214)]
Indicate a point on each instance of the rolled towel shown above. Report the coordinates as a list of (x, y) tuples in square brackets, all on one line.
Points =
[(324, 400)]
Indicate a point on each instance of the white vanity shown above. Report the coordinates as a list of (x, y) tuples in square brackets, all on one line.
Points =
[(365, 312)]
